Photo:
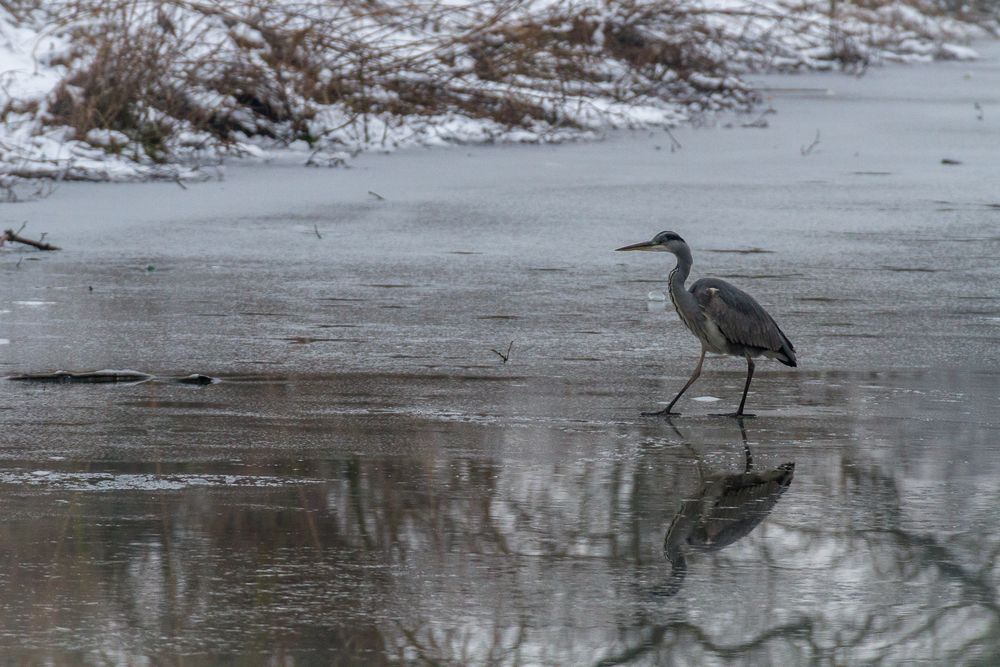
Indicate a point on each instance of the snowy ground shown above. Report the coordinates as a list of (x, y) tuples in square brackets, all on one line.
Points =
[(235, 80)]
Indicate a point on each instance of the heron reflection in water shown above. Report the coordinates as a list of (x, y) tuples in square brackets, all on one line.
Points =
[(725, 509)]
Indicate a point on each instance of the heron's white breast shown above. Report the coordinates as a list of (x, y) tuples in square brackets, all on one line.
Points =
[(716, 340)]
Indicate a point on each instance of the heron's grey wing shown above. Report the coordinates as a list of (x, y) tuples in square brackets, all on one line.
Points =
[(739, 317), (741, 503)]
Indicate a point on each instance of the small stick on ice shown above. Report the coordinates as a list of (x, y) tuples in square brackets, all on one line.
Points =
[(806, 150), (376, 195), (318, 235), (504, 356), (761, 121), (674, 144)]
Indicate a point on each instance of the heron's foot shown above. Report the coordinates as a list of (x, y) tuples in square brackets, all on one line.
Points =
[(665, 412), (737, 415)]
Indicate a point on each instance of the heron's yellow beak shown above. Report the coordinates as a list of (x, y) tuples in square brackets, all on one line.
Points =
[(645, 245)]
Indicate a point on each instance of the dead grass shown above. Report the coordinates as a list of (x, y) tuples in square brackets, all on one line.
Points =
[(149, 69)]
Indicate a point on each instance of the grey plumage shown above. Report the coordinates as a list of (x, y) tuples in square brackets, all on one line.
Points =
[(742, 320), (725, 319)]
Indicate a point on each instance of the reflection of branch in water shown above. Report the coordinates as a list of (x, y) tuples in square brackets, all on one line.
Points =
[(802, 629), (435, 645), (898, 553), (353, 475), (917, 552), (725, 509)]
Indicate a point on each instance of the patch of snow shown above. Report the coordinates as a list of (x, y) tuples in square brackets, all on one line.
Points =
[(956, 52)]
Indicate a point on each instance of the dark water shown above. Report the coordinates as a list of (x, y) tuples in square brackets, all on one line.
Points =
[(368, 483), (466, 520)]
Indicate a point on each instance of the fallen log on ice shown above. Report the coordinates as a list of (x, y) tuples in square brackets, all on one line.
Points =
[(104, 376), (14, 237)]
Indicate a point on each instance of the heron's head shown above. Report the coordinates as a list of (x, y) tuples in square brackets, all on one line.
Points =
[(662, 242)]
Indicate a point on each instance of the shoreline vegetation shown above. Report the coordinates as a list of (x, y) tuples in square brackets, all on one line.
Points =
[(137, 90)]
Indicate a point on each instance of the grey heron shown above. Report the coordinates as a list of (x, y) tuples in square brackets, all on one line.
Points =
[(725, 319)]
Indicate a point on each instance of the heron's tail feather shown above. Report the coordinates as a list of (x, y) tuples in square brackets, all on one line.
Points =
[(786, 354)]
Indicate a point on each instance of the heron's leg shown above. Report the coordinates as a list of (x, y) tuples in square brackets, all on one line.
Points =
[(694, 376), (746, 388)]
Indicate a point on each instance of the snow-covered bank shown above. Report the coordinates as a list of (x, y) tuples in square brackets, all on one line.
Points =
[(138, 89)]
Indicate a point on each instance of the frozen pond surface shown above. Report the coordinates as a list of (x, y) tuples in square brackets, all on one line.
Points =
[(369, 484)]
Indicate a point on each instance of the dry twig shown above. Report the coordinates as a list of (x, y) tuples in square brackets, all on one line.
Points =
[(504, 355), (806, 150)]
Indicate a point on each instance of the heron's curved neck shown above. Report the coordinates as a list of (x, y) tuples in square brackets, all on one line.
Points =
[(683, 300)]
